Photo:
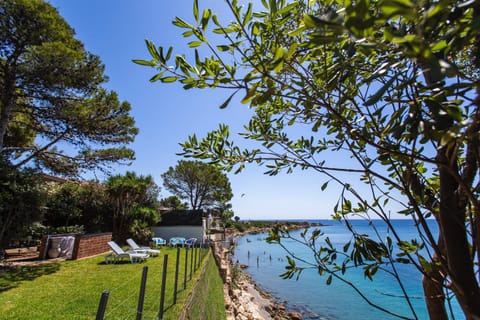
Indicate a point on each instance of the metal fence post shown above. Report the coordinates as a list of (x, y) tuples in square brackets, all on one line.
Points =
[(162, 290), (186, 270), (176, 277), (191, 264), (200, 257), (102, 306), (141, 296), (195, 259)]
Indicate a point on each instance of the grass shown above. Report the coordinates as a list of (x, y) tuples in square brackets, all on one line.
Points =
[(208, 299), (72, 289)]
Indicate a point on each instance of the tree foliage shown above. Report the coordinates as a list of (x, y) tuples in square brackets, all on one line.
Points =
[(52, 98), (203, 185), (392, 86), (134, 206), (173, 202), (21, 201), (83, 204)]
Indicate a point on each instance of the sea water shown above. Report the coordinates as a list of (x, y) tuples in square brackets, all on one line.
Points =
[(310, 294)]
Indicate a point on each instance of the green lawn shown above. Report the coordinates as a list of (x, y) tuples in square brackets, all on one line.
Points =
[(208, 300), (72, 289)]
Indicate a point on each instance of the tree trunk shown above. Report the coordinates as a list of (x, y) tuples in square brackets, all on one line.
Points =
[(452, 228), (433, 287), (5, 225), (6, 103), (459, 266)]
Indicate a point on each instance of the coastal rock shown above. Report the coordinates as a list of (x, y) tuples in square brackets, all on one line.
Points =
[(243, 299), (294, 316), (240, 309), (241, 317), (269, 309)]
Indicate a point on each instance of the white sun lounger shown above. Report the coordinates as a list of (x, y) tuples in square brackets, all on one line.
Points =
[(135, 247), (119, 254)]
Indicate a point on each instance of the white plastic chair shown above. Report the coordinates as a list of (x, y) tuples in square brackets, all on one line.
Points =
[(159, 241), (190, 242)]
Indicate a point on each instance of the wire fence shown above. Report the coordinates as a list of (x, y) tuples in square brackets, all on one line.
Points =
[(191, 261)]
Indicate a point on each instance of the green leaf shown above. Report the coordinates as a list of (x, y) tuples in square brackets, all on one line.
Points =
[(179, 22), (161, 56), (311, 21), (278, 65), (223, 30), (288, 8), (168, 79), (207, 13), (379, 94), (223, 48), (248, 15), (215, 20), (187, 34), (156, 77), (169, 53), (455, 113), (197, 57), (273, 6), (147, 63), (425, 264), (346, 246), (324, 186), (448, 137), (403, 260), (195, 9), (318, 39), (439, 45), (194, 44), (249, 96), (435, 9), (153, 51), (393, 8), (407, 4), (279, 53), (225, 104), (329, 280), (317, 125)]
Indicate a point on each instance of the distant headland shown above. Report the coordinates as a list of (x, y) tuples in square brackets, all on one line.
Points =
[(261, 226)]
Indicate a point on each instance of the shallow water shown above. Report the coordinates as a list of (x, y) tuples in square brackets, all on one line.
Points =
[(310, 295)]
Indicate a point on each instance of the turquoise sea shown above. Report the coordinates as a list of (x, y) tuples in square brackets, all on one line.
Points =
[(311, 296)]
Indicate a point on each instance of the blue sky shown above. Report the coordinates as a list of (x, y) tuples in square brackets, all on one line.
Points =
[(166, 114)]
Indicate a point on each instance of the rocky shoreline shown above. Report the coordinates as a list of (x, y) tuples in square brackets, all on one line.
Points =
[(244, 300), (248, 302)]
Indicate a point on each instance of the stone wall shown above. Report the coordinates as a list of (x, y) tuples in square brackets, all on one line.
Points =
[(222, 253)]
